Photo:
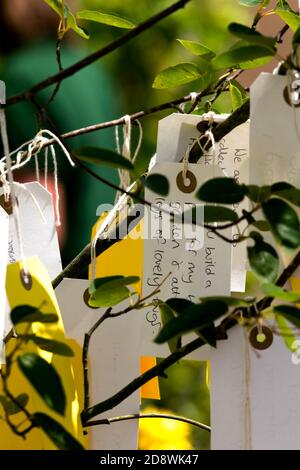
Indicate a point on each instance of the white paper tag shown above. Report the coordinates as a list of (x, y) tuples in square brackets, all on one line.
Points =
[(199, 262), (114, 361), (39, 238), (274, 144), (3, 264), (176, 132)]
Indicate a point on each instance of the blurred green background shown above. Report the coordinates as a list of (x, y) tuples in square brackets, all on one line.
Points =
[(119, 84)]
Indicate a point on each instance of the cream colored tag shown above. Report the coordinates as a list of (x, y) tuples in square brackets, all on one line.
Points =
[(176, 132), (199, 262)]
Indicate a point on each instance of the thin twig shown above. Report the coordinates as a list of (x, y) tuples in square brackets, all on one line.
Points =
[(69, 71), (118, 419)]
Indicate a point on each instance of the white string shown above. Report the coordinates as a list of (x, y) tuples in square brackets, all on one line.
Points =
[(193, 97), (103, 230), (4, 182), (37, 169), (57, 197), (15, 207), (46, 168), (139, 144)]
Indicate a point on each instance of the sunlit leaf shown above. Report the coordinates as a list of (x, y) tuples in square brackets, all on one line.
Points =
[(291, 313), (279, 293), (252, 36), (197, 49), (234, 57), (110, 19), (180, 74)]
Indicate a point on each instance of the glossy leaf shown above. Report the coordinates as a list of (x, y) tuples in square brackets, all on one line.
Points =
[(251, 35), (112, 282), (110, 19), (222, 191), (108, 292), (284, 222), (180, 74), (105, 157), (178, 305), (234, 57), (159, 184), (279, 293), (229, 301), (10, 407), (287, 191), (237, 94), (286, 332), (292, 314), (56, 5), (263, 260), (296, 39), (167, 314), (218, 214), (195, 317), (258, 194), (197, 49), (51, 345), (44, 379), (254, 3), (290, 18), (29, 314), (56, 432)]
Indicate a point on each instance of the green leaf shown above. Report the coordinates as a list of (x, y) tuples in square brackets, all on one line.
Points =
[(209, 335), (284, 222), (252, 36), (235, 57), (56, 5), (179, 305), (254, 3), (287, 334), (51, 345), (279, 293), (292, 314), (287, 191), (261, 225), (106, 157), (195, 317), (110, 19), (108, 292), (29, 314), (290, 18), (197, 49), (222, 191), (237, 94), (263, 260), (229, 301), (167, 314), (180, 74), (112, 282), (56, 432), (10, 407), (158, 184), (218, 214), (258, 194), (44, 378)]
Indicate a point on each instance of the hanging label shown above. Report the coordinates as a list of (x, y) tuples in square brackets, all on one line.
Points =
[(37, 222), (3, 264), (39, 293), (176, 132), (114, 361), (190, 262)]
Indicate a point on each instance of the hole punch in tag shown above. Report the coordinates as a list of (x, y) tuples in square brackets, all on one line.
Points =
[(261, 338)]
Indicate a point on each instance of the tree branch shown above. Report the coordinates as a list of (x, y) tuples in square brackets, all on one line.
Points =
[(118, 419), (68, 72)]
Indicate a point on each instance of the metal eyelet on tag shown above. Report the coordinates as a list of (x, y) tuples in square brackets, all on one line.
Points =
[(261, 338), (26, 279), (292, 97), (86, 298), (190, 186)]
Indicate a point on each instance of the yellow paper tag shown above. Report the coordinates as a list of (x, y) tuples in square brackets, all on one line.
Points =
[(126, 258), (40, 295)]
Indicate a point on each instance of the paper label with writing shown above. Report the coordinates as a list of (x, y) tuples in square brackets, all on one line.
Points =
[(176, 132), (38, 231), (198, 261)]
